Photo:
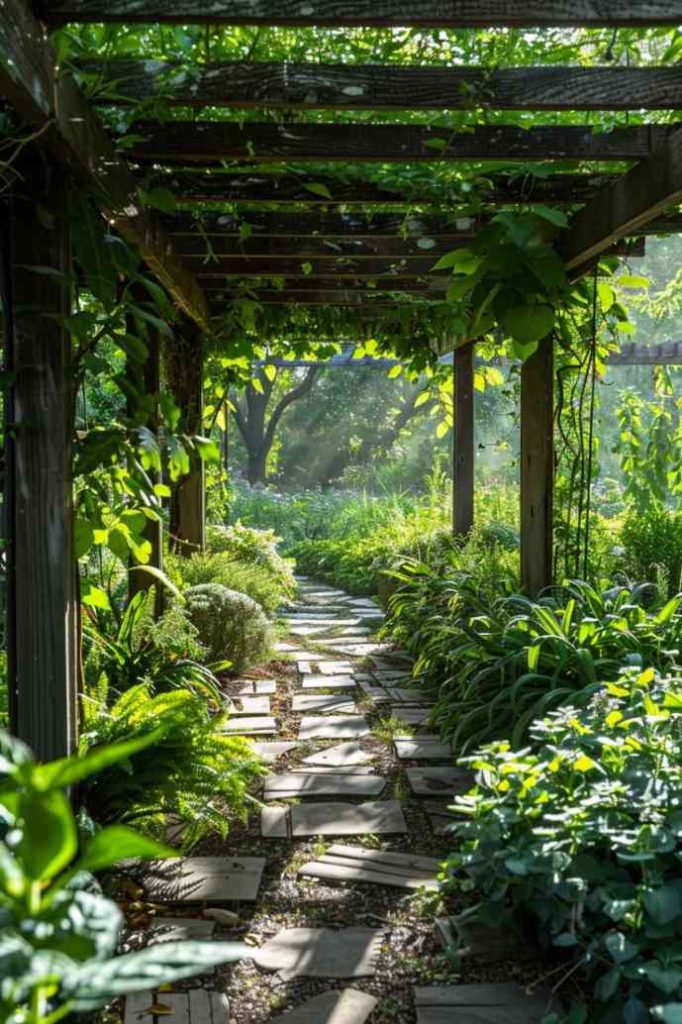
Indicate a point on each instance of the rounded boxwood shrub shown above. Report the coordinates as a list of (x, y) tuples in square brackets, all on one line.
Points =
[(231, 626)]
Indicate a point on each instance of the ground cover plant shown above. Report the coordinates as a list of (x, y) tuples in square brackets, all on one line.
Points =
[(495, 663), (579, 835), (58, 932)]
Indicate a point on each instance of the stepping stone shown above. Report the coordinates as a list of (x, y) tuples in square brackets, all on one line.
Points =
[(196, 1006), (299, 784), (347, 1006), (489, 944), (203, 879), (354, 769), (422, 748), (355, 631), (257, 686), (356, 864), (333, 727), (321, 620), (439, 781), (377, 694), (406, 695), (260, 725), (340, 755), (440, 816), (482, 1004), (271, 751), (251, 706), (334, 668), (364, 602), (282, 647), (175, 929), (321, 953), (410, 716), (307, 630), (316, 681), (334, 819), (304, 665), (393, 676), (325, 702), (359, 650)]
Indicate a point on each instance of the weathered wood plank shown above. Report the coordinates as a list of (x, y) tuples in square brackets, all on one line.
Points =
[(320, 248), (639, 196), (52, 104), (314, 224), (354, 295), (537, 468), (211, 142), (419, 13), (669, 353), (41, 568), (263, 266), (267, 187), (463, 440), (385, 87)]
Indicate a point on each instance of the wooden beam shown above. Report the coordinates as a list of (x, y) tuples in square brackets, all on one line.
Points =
[(264, 290), (334, 297), (42, 599), (211, 142), (265, 187), (463, 440), (50, 102), (314, 224), (184, 371), (624, 207), (537, 468), (348, 13), (668, 353), (266, 266), (319, 248), (383, 86)]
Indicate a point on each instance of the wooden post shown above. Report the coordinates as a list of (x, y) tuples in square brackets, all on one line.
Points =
[(41, 570), (537, 468), (145, 380), (463, 439), (184, 367)]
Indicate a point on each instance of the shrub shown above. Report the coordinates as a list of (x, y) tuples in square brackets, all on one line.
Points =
[(58, 932), (581, 834), (231, 626), (254, 580), (496, 663), (193, 770), (257, 548), (653, 546)]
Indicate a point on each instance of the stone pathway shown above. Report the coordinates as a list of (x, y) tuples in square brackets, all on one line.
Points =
[(334, 877)]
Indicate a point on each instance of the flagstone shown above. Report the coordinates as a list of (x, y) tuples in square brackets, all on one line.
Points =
[(353, 769), (407, 695), (259, 725), (250, 706), (333, 818), (175, 929), (422, 748), (333, 727), (340, 754), (439, 781), (203, 879), (440, 815), (345, 1006), (299, 784), (485, 1003), (410, 716), (307, 630), (322, 620), (271, 751), (487, 943), (325, 702), (257, 686), (317, 681), (334, 668), (194, 1006), (357, 864), (359, 650), (321, 952)]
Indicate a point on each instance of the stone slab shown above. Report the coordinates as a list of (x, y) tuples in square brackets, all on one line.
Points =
[(248, 687), (410, 716), (316, 681), (407, 695), (203, 879), (195, 1006), (356, 864), (325, 702), (359, 650), (321, 953), (345, 1006), (435, 781), (377, 694), (422, 748), (322, 620), (440, 816), (271, 751), (342, 819), (299, 784), (354, 769), (342, 754), (487, 1003), (259, 725), (250, 706), (334, 668), (333, 727), (176, 929), (354, 632), (308, 630), (274, 822)]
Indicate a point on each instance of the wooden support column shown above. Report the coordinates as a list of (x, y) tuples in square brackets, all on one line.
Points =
[(145, 382), (463, 434), (41, 570), (537, 468), (185, 377)]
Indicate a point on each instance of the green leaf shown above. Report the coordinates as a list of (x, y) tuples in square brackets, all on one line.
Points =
[(49, 840), (395, 371), (317, 189), (668, 1013), (620, 948), (94, 597), (548, 213), (664, 905), (668, 979), (161, 577), (117, 843), (68, 770), (464, 260), (528, 323), (160, 199)]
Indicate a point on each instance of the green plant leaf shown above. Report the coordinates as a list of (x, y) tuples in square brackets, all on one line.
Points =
[(49, 840), (67, 771), (117, 843), (528, 323)]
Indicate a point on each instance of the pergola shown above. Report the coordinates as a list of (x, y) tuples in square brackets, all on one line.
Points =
[(328, 242)]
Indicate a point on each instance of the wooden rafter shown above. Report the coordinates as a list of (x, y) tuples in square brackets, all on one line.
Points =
[(211, 142), (53, 106), (434, 286), (624, 207), (385, 87), (344, 13), (322, 248)]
